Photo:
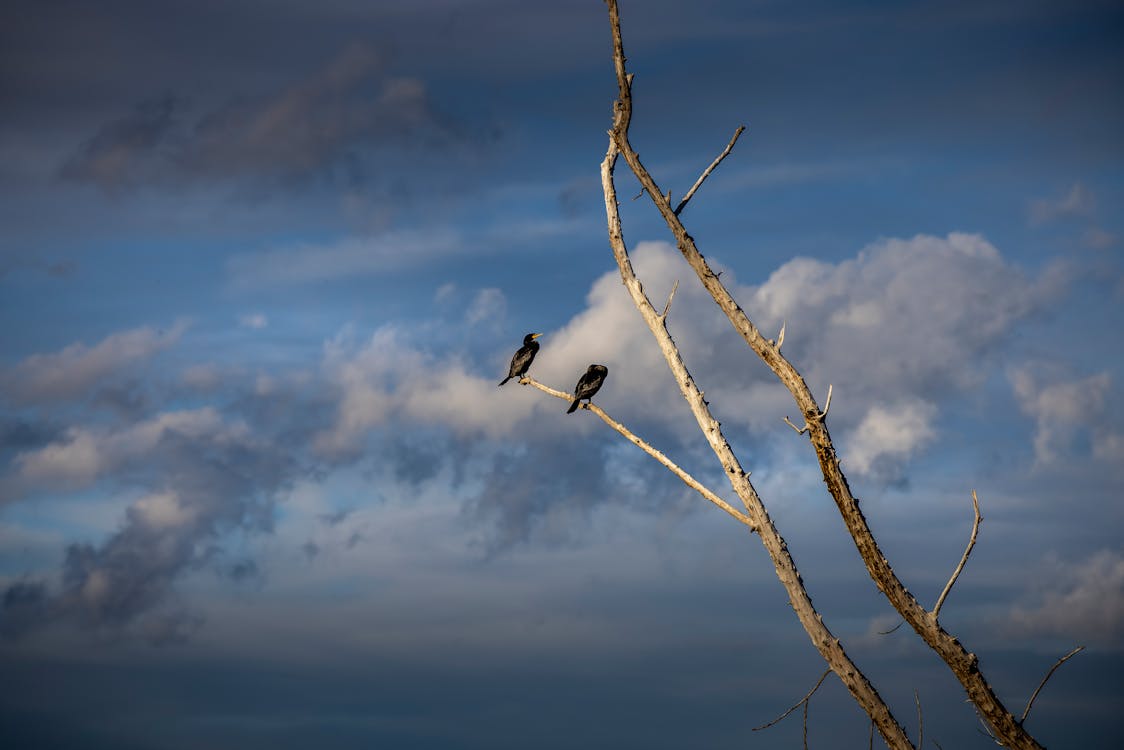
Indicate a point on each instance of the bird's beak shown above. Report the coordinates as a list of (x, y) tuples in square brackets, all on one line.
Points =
[(535, 335)]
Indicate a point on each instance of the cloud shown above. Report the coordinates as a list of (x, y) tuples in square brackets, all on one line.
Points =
[(1066, 412), (888, 435), (1078, 202), (1081, 601), (326, 120), (488, 305), (905, 318), (1099, 239), (71, 372), (255, 321), (124, 149), (202, 477), (82, 454), (311, 262), (386, 381)]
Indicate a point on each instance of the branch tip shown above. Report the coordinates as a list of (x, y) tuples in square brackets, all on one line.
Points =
[(707, 171), (963, 558), (803, 701), (1042, 684)]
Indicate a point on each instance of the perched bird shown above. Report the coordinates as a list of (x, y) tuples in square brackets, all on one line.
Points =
[(523, 358), (588, 384)]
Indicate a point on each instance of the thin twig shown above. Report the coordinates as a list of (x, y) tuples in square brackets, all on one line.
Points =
[(796, 705), (891, 630), (806, 704), (713, 164), (920, 721), (780, 336), (1057, 664), (799, 430), (964, 558), (689, 480), (670, 297)]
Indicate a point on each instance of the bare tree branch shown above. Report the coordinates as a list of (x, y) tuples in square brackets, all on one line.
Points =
[(671, 466), (963, 664), (798, 703), (964, 558), (1042, 684), (827, 644), (705, 174)]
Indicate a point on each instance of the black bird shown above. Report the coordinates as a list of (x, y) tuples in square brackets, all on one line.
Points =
[(523, 358), (589, 384)]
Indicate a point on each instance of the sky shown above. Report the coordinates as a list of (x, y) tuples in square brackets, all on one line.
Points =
[(262, 265)]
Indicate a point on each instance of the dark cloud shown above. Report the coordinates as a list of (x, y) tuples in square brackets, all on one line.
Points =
[(72, 371), (125, 150), (201, 482), (23, 607), (330, 122), (523, 499)]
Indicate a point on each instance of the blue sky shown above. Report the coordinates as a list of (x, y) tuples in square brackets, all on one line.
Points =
[(262, 264)]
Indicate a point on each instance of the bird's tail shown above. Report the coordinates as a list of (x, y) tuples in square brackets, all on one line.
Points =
[(505, 380), (573, 406)]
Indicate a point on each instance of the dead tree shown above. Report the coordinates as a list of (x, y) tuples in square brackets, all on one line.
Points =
[(1006, 729)]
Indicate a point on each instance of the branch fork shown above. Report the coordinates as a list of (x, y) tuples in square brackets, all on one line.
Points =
[(817, 417)]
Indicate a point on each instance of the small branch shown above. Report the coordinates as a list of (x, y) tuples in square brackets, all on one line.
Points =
[(827, 404), (802, 701), (964, 558), (920, 721), (891, 630), (818, 417), (670, 465), (704, 175), (780, 336), (799, 430), (670, 297), (1057, 664)]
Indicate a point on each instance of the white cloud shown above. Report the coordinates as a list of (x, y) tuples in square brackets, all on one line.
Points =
[(890, 434), (894, 329), (488, 305), (69, 372), (162, 510), (1064, 410), (1079, 600), (386, 378), (903, 319), (84, 454)]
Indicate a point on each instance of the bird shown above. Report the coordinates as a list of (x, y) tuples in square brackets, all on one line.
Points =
[(523, 358), (588, 385)]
